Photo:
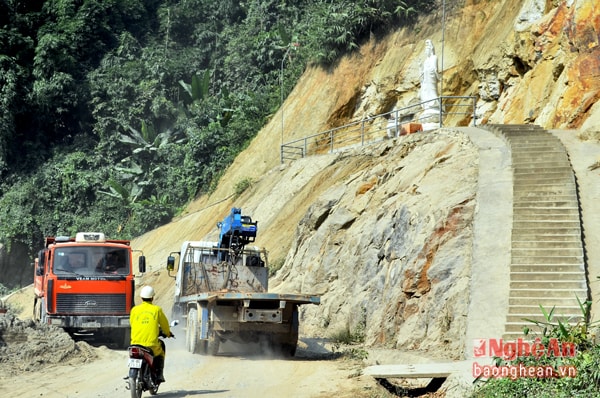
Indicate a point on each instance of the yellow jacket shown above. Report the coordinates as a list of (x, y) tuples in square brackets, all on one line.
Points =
[(145, 320)]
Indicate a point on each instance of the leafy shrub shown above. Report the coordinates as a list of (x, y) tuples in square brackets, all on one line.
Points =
[(275, 266), (242, 186)]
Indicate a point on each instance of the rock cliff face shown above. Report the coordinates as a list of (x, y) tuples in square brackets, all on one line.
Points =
[(384, 232), (388, 245)]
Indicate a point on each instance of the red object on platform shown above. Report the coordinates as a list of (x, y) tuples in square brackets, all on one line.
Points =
[(410, 128)]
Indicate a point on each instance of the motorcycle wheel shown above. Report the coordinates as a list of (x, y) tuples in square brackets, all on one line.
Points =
[(153, 390), (134, 387)]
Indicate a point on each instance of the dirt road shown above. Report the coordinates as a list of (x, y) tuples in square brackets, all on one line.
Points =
[(313, 373), (41, 362)]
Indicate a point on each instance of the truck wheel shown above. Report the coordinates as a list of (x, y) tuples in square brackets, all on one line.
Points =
[(37, 310), (212, 345), (289, 347), (43, 313), (191, 332), (288, 350), (176, 311), (122, 338)]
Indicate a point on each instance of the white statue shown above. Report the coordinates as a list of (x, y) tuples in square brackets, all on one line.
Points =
[(429, 77)]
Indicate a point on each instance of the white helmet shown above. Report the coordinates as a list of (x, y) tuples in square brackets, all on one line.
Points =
[(147, 292)]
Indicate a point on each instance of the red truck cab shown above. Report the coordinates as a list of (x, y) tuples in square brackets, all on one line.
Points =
[(86, 285)]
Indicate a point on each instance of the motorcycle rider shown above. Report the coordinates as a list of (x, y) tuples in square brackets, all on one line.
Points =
[(147, 320)]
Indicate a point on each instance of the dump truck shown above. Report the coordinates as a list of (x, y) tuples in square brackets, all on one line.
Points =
[(221, 290), (85, 285)]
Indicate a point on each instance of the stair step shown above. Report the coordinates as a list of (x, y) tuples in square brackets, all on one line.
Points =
[(573, 239), (547, 260), (530, 200), (548, 150), (549, 286), (546, 233), (529, 196), (539, 169), (528, 236), (520, 217), (520, 258), (554, 268), (545, 187), (567, 180), (567, 318), (533, 137), (531, 161), (537, 209), (541, 293), (531, 209), (546, 302), (526, 142), (528, 160), (521, 143), (539, 219), (534, 182), (545, 237), (547, 223), (533, 155), (514, 328), (534, 333), (535, 309), (543, 244), (521, 248), (550, 277)]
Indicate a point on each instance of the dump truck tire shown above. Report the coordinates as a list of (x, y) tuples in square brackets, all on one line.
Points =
[(191, 332), (212, 345), (122, 338), (289, 348)]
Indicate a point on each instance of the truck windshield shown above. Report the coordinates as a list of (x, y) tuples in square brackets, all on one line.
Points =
[(91, 260)]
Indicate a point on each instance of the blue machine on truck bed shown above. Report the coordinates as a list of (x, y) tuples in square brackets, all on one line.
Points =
[(221, 288), (236, 230)]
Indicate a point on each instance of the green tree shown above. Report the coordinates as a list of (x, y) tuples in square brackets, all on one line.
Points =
[(116, 113)]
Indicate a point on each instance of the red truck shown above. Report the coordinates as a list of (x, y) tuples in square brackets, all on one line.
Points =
[(86, 285)]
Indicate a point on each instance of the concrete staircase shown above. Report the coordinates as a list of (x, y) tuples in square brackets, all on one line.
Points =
[(547, 261)]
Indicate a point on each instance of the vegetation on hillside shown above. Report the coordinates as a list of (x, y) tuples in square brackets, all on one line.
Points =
[(114, 114)]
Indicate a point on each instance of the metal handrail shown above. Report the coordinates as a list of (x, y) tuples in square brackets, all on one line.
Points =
[(367, 130)]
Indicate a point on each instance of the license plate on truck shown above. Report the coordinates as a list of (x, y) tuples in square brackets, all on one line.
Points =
[(135, 363)]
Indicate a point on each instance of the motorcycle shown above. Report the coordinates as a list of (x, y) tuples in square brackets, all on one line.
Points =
[(143, 375)]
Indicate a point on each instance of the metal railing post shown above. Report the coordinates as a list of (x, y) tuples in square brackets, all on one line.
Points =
[(362, 132), (331, 135), (305, 151), (441, 101)]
